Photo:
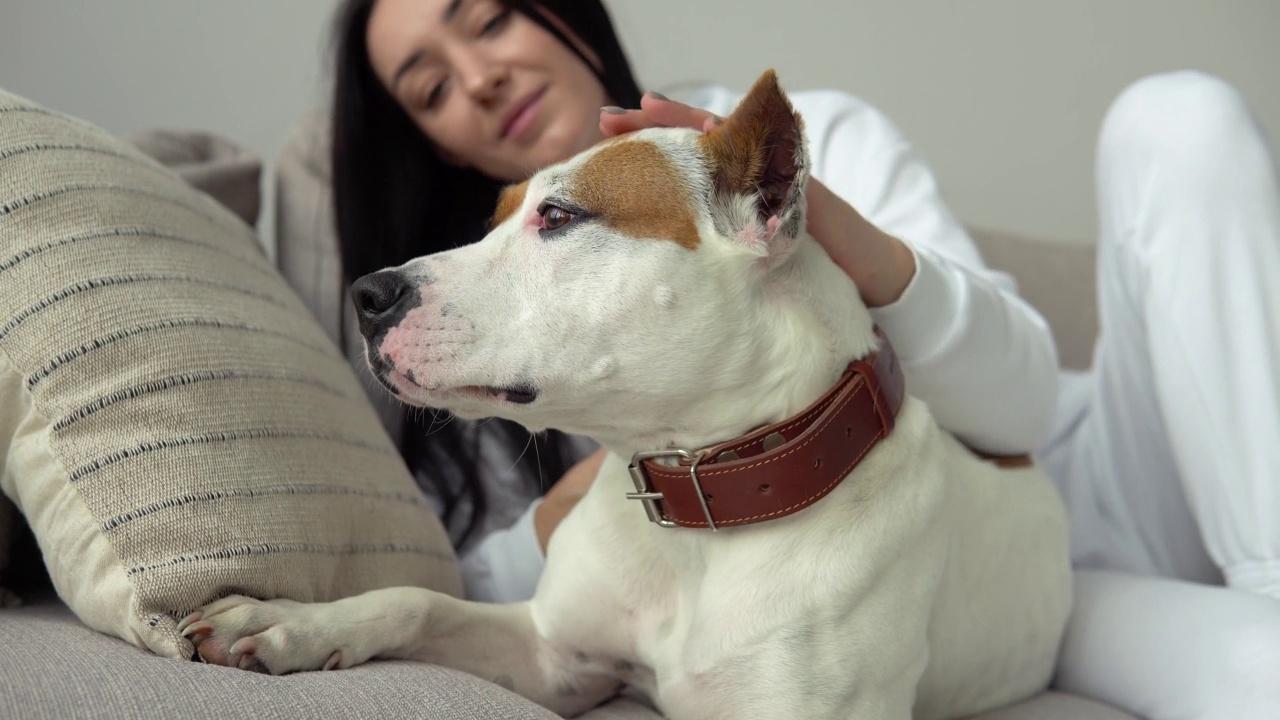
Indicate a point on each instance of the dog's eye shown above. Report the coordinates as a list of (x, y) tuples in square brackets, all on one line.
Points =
[(554, 217)]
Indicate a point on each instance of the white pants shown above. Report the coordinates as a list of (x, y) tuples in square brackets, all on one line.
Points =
[(1168, 452)]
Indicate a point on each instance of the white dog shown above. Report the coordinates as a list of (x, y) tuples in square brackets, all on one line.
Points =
[(659, 293)]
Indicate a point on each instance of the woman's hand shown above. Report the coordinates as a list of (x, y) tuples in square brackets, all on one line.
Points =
[(881, 265), (564, 495)]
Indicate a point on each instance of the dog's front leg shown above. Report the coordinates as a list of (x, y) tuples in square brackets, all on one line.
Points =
[(496, 642)]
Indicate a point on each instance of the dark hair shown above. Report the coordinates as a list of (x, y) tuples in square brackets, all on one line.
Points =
[(387, 180)]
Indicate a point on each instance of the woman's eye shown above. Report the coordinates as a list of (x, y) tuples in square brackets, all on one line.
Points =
[(430, 96), (433, 97), (554, 218)]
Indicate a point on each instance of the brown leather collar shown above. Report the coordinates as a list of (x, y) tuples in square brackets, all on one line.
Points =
[(781, 468)]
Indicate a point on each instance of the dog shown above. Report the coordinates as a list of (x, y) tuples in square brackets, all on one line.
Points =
[(778, 531)]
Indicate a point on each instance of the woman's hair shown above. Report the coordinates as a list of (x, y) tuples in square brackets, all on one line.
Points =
[(395, 199)]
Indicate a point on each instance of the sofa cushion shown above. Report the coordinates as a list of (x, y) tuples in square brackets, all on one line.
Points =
[(99, 677), (52, 667), (173, 423), (1056, 278), (217, 166)]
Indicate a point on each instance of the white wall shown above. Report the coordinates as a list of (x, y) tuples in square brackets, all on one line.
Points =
[(1003, 96), (247, 69)]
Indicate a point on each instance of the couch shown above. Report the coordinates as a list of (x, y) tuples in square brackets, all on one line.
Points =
[(52, 666)]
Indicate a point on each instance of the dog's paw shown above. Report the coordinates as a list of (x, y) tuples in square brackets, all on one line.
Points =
[(273, 637), (9, 599)]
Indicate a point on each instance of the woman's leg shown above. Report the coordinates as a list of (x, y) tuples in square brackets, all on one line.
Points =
[(1177, 456), (1173, 465), (1165, 649)]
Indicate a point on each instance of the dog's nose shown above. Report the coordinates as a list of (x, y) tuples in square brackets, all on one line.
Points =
[(381, 300)]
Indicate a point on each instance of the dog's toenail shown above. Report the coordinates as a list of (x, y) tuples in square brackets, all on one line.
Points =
[(335, 660), (254, 665)]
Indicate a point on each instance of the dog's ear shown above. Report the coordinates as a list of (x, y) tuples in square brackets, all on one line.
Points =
[(759, 156)]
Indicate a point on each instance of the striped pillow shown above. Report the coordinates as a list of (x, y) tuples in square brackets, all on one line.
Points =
[(173, 424)]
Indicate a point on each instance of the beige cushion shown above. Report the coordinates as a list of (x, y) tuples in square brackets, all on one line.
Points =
[(53, 668), (173, 423), (99, 677), (1056, 278), (224, 170)]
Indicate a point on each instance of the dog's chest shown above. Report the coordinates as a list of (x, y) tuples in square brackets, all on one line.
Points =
[(693, 617), (759, 628)]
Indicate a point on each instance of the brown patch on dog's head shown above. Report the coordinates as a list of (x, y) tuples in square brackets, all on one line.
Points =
[(757, 149), (509, 202), (636, 190)]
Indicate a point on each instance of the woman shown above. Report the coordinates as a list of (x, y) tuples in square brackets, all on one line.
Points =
[(440, 102), (526, 98)]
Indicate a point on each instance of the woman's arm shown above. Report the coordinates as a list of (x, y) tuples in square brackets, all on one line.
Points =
[(980, 356), (506, 564)]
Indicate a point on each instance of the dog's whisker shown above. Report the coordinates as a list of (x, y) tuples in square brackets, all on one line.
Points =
[(522, 452), (436, 423), (542, 480)]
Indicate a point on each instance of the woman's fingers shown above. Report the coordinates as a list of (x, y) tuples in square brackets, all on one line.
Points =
[(669, 113), (616, 121), (655, 111)]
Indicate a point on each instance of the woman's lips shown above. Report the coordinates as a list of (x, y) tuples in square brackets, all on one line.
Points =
[(522, 116)]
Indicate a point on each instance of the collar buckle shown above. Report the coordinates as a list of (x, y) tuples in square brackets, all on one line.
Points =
[(649, 498)]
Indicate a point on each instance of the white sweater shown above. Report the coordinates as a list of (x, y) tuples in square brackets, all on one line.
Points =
[(979, 356)]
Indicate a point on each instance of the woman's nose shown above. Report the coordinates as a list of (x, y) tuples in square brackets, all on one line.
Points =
[(482, 77)]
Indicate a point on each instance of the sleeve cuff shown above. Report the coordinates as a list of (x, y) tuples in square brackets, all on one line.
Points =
[(929, 315), (506, 565)]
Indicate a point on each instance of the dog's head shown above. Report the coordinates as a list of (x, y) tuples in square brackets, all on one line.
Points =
[(658, 288)]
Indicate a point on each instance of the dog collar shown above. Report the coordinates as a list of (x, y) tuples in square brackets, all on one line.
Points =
[(778, 469)]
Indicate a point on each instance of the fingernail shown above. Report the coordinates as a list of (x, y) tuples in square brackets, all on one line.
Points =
[(613, 110), (659, 96)]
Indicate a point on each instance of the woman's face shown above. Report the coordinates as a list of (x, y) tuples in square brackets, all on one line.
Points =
[(488, 86)]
